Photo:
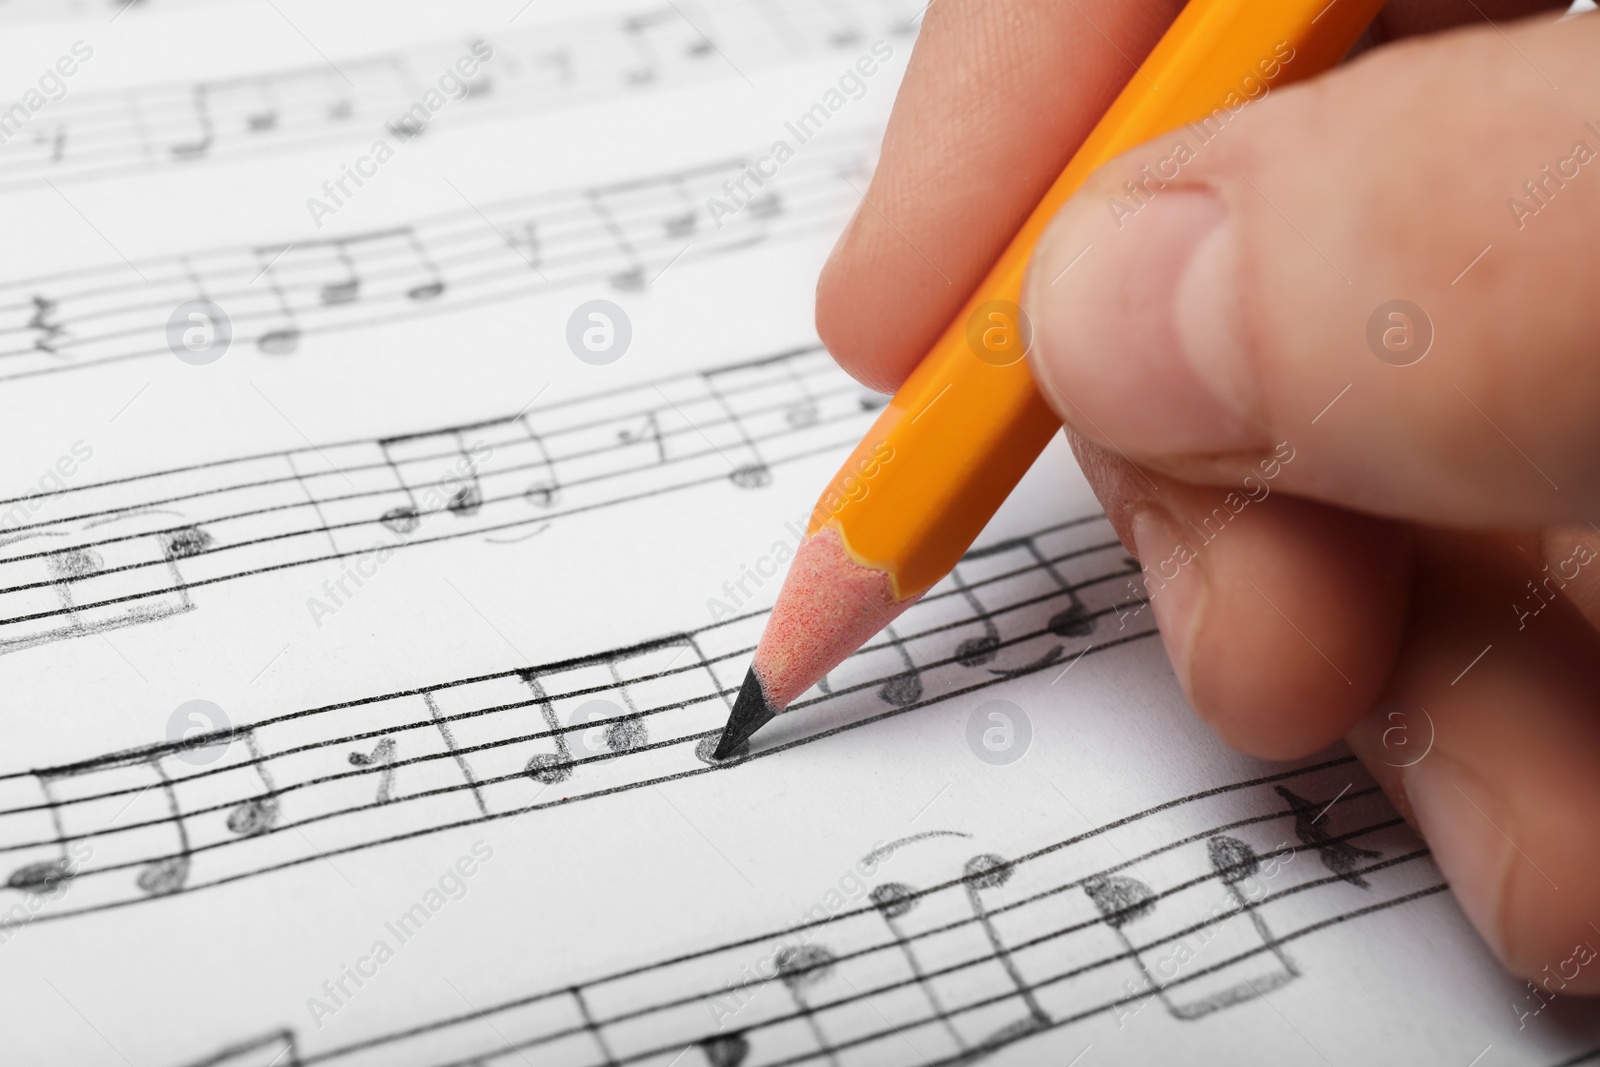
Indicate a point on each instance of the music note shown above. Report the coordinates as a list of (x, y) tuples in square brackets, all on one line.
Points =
[(906, 687), (258, 814), (799, 968), (726, 1050), (753, 472), (547, 768), (282, 340), (382, 755), (894, 900), (349, 289), (1340, 857), (976, 651), (431, 289), (649, 430), (266, 118), (631, 278), (198, 148), (989, 871), (167, 875), (545, 489)]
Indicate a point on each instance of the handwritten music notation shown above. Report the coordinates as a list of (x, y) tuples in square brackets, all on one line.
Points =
[(622, 235), (233, 804), (134, 550), (92, 136), (1185, 908)]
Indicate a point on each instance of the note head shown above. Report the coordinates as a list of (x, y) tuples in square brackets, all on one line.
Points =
[(548, 769), (185, 542), (751, 476), (726, 1050), (164, 877), (893, 899), (253, 817), (976, 651), (430, 291), (901, 690), (346, 292), (41, 877), (1071, 622), (279, 342), (986, 871), (466, 501), (401, 520)]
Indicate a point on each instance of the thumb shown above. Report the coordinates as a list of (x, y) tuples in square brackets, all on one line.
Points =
[(1391, 269)]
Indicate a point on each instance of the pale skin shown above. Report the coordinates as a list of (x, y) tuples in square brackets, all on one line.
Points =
[(1229, 313)]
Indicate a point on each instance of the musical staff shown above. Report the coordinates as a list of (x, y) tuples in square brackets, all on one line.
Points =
[(971, 952), (96, 136), (495, 746), (134, 550), (275, 294)]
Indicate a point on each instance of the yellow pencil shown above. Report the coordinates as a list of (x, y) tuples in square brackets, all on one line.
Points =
[(968, 423)]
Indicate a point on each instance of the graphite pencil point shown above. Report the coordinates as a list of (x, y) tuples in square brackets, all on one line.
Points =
[(750, 713)]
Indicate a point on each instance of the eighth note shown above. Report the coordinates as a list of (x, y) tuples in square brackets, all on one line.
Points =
[(381, 755)]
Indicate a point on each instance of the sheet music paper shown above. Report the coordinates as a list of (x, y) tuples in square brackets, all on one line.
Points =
[(361, 683)]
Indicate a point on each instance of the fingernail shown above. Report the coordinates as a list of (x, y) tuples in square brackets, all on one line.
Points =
[(1467, 828), (1173, 581), (1134, 323)]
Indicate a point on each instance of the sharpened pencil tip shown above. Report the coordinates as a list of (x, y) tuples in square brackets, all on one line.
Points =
[(750, 713)]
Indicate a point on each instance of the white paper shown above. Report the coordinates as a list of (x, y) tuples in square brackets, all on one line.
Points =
[(463, 612)]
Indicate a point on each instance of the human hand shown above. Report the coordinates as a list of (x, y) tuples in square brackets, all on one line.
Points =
[(1338, 541)]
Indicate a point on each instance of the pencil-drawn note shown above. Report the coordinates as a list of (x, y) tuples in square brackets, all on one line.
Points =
[(544, 488), (548, 768), (525, 242), (906, 687), (42, 877), (200, 146), (646, 431), (381, 756), (1340, 857), (631, 278), (894, 900), (656, 37), (258, 814), (168, 874), (750, 469), (726, 1050), (1230, 956), (1120, 899), (348, 289), (976, 651), (263, 118), (434, 286), (800, 968), (44, 320), (989, 871), (282, 339)]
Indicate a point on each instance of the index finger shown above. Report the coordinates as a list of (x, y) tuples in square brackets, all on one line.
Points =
[(997, 97)]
